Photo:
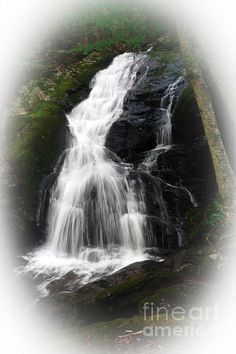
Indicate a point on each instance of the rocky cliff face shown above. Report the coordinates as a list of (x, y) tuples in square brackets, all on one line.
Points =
[(38, 129), (175, 179), (41, 129)]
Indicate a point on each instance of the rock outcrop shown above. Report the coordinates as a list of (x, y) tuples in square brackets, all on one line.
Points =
[(175, 179), (180, 278)]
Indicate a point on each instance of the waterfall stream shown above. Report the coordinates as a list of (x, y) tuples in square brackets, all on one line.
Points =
[(97, 214), (164, 136), (92, 203)]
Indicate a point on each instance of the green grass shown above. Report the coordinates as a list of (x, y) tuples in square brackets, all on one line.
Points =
[(85, 43)]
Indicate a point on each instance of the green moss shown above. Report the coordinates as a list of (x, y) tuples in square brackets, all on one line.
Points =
[(45, 109), (206, 221), (214, 214), (35, 135), (137, 287), (165, 58), (109, 25), (59, 78), (126, 287), (63, 85), (186, 100)]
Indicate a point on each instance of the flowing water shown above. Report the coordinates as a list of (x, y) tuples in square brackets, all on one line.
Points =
[(164, 136), (97, 216), (92, 202)]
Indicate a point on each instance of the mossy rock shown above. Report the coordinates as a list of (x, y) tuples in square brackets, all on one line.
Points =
[(38, 128), (167, 298), (122, 293)]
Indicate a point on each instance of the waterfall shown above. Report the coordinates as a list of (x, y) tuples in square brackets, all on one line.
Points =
[(92, 203), (164, 134), (97, 211), (163, 144), (96, 214)]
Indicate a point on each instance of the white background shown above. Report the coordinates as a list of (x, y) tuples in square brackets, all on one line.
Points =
[(21, 23)]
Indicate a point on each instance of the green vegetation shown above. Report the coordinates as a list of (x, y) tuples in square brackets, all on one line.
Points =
[(214, 214), (59, 80), (111, 24), (206, 222), (36, 134), (58, 77)]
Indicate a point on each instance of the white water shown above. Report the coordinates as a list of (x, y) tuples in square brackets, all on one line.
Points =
[(96, 215), (164, 143), (164, 132)]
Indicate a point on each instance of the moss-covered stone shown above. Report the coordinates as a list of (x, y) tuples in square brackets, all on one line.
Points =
[(206, 221), (38, 124), (123, 293), (38, 121)]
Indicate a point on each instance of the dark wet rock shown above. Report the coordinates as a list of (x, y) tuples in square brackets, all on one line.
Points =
[(178, 295), (39, 135), (135, 131), (186, 165), (197, 172), (179, 179), (133, 135), (175, 281)]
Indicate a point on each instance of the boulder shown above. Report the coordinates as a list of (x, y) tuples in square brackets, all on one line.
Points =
[(175, 280), (178, 178)]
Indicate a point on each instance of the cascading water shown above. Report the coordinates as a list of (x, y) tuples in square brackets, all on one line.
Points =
[(163, 144), (92, 202), (164, 136), (97, 211), (96, 215)]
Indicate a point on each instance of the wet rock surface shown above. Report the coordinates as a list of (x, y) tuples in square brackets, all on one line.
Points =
[(39, 135), (179, 279), (174, 182), (176, 179), (136, 130)]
